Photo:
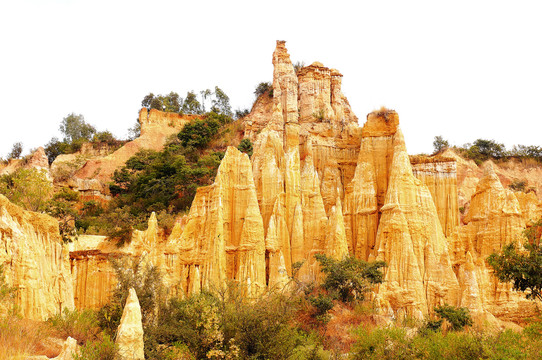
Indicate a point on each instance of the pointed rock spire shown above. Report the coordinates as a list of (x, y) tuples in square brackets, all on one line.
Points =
[(130, 332)]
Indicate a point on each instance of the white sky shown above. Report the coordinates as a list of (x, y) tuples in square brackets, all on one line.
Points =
[(461, 69)]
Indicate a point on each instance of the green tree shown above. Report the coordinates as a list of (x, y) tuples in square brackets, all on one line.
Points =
[(221, 103), (74, 128), (262, 88), (191, 104), (245, 146), (458, 317), (522, 267), (16, 150), (28, 188), (350, 278), (171, 102), (204, 95), (440, 144)]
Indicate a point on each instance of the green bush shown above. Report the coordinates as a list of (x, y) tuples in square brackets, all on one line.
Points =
[(349, 279), (246, 146), (101, 349), (81, 325), (458, 317)]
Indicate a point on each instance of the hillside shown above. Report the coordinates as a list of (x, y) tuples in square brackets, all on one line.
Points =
[(315, 183)]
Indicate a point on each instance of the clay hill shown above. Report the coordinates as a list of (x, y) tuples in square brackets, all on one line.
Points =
[(317, 182)]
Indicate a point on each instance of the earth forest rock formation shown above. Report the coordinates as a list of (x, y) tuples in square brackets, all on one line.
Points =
[(317, 182)]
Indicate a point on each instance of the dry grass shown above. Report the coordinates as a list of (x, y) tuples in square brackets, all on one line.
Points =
[(420, 159), (229, 135), (24, 337)]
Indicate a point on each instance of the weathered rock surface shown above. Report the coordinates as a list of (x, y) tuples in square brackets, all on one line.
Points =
[(156, 126), (35, 261), (130, 332), (37, 160), (318, 183), (69, 350)]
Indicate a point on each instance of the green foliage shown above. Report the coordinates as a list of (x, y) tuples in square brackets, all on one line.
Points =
[(81, 325), (440, 144), (349, 279), (191, 104), (198, 133), (100, 349), (262, 88), (221, 103), (458, 317), (16, 150), (146, 281), (74, 128), (239, 114), (522, 267), (135, 131), (396, 343), (28, 188), (63, 207), (171, 102), (518, 185), (245, 146), (322, 305), (527, 152), (105, 137), (228, 325)]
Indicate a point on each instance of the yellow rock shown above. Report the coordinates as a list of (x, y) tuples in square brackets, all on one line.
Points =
[(129, 338), (35, 261)]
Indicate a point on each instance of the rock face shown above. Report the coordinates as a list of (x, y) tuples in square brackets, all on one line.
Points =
[(130, 332), (156, 126), (316, 183), (35, 261)]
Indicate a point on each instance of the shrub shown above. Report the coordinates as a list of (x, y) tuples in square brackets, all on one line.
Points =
[(518, 185), (262, 88), (246, 146), (440, 144), (28, 188), (349, 279), (81, 325), (146, 281), (101, 349), (458, 317)]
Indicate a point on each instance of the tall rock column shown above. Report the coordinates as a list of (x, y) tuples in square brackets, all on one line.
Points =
[(130, 332), (35, 261), (285, 108)]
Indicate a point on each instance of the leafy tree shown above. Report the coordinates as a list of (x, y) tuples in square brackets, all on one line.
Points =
[(16, 150), (54, 148), (191, 104), (458, 317), (135, 131), (28, 188), (63, 207), (204, 95), (241, 113), (522, 267), (171, 102), (245, 146), (440, 144), (262, 88), (349, 278), (221, 103), (74, 128), (198, 133)]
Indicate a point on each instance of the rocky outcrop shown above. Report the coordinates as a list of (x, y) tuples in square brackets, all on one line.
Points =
[(129, 339), (156, 126), (37, 160), (35, 261), (69, 350), (440, 176)]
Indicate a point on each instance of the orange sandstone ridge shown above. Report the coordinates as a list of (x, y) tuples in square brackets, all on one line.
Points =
[(317, 182)]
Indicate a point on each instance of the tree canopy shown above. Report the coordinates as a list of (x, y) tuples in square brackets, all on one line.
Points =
[(521, 266), (74, 128)]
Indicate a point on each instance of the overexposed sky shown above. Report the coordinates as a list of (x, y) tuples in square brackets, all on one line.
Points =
[(461, 69)]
